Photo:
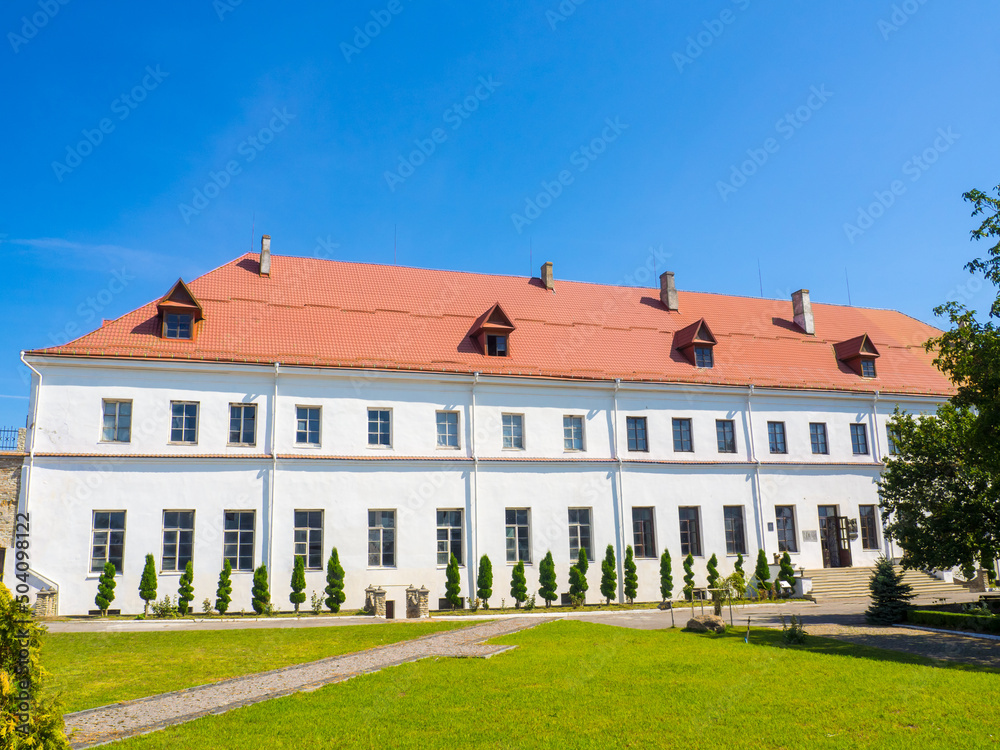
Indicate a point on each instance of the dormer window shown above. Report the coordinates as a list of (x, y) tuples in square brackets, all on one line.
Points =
[(179, 312), (696, 343), (703, 356), (177, 326), (859, 354), (496, 345), (492, 332), (867, 367)]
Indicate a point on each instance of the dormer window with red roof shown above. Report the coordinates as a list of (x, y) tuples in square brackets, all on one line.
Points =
[(179, 312), (696, 343), (492, 330), (859, 354)]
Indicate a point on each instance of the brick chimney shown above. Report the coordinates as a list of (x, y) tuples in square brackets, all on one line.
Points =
[(547, 275), (668, 292), (803, 312), (265, 255)]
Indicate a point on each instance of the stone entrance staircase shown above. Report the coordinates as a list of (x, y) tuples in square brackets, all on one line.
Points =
[(852, 583)]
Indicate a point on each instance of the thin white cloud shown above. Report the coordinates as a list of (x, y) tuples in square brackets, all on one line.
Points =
[(96, 257)]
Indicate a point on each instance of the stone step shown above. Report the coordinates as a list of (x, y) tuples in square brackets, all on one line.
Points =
[(850, 583)]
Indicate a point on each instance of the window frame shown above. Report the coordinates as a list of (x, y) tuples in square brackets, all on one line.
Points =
[(379, 445), (704, 357), (574, 528), (772, 437), (382, 555), (644, 533), (787, 530), (681, 422), (865, 364), (633, 426), (719, 438), (892, 441), (184, 417), (240, 541), (503, 431), (732, 548), (307, 443), (517, 526), (309, 530), (177, 530), (451, 529), (458, 429), (494, 342), (858, 435), (105, 402), (242, 406), (570, 422), (108, 543), (690, 528), (864, 531), (815, 435), (166, 326)]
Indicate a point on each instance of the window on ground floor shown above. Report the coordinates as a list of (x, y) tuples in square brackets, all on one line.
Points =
[(109, 540), (449, 536), (579, 533), (237, 541), (869, 526), (309, 538), (784, 523), (178, 539), (736, 538), (518, 522), (690, 531), (382, 538), (643, 538)]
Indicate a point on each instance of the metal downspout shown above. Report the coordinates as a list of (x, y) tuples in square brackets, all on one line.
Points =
[(270, 484), (620, 541), (759, 510), (473, 561)]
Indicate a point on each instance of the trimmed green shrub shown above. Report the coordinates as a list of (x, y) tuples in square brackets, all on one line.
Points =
[(484, 581), (259, 592), (105, 588), (609, 575), (453, 584), (224, 592), (518, 585), (298, 583), (738, 567), (334, 582), (889, 595), (689, 577), (631, 579), (547, 579), (787, 572), (762, 572), (954, 621), (666, 575), (582, 565), (147, 584), (185, 591), (713, 572)]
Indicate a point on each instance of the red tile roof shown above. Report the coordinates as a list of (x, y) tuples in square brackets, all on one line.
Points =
[(333, 314)]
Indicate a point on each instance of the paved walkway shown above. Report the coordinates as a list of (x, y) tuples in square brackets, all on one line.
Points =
[(107, 723)]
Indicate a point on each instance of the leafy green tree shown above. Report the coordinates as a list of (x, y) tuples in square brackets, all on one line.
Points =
[(23, 681), (453, 585), (334, 582), (105, 588), (484, 581), (185, 590), (666, 575), (147, 584), (762, 572), (298, 582), (713, 571), (224, 592), (889, 595), (631, 579), (547, 579), (689, 577), (260, 592), (609, 574), (518, 584), (787, 572)]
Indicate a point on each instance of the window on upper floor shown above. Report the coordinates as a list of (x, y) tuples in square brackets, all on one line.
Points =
[(178, 540), (179, 313), (636, 430), (177, 326), (513, 431), (307, 420), (573, 433), (447, 429), (703, 356), (682, 435), (117, 423), (859, 439), (776, 437), (237, 538), (184, 422), (492, 331), (308, 538), (496, 345), (725, 434), (108, 540), (867, 367), (817, 437), (242, 424), (380, 428), (892, 436)]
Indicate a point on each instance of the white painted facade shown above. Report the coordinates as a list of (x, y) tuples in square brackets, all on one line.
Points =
[(71, 472)]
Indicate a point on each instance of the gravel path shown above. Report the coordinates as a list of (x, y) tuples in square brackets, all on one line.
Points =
[(108, 723)]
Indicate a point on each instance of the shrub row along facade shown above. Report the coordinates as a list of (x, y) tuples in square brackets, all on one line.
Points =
[(283, 406)]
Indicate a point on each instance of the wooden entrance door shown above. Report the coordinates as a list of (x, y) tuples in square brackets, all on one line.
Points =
[(390, 610), (834, 539)]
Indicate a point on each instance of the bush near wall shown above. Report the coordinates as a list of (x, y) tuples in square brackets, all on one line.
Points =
[(955, 621)]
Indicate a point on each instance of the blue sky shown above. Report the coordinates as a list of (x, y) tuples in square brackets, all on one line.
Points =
[(147, 141)]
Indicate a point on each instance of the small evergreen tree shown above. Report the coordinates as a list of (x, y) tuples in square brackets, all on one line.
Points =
[(889, 595), (631, 579), (547, 579), (453, 586), (713, 572), (224, 592), (259, 592), (738, 567), (787, 572), (147, 584), (298, 582), (484, 581), (762, 572), (105, 588), (185, 591), (583, 564), (609, 575), (518, 584), (334, 582), (666, 575), (689, 577)]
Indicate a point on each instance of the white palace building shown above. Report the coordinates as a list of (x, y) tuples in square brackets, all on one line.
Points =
[(281, 406)]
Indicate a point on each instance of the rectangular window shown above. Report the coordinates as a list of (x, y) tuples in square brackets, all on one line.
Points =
[(307, 425), (736, 538), (177, 326), (682, 436), (447, 429), (869, 526), (109, 540), (893, 438), (636, 428), (573, 433), (726, 434), (178, 540), (579, 533), (518, 535), (859, 439), (379, 427), (237, 538), (513, 431), (817, 437), (308, 539), (690, 531), (703, 356), (117, 427), (449, 536), (183, 422), (242, 424), (784, 522), (776, 437), (496, 346), (381, 538), (868, 368), (643, 539)]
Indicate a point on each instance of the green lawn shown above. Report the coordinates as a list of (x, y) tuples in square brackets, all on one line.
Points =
[(583, 685), (94, 669)]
